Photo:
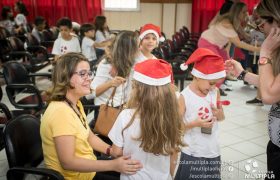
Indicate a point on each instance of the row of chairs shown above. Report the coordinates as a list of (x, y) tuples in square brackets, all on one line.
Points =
[(28, 50), (20, 128), (177, 51)]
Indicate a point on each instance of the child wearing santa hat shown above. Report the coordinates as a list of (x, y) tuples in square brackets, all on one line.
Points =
[(150, 36), (198, 106), (151, 128)]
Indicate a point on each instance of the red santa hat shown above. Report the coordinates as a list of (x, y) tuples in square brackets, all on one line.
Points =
[(154, 72), (151, 28), (207, 64)]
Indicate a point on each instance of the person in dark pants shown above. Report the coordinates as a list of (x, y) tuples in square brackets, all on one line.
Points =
[(268, 80)]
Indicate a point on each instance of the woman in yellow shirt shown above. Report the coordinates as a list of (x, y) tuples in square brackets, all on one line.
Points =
[(67, 140)]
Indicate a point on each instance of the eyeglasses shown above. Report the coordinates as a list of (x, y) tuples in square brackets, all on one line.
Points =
[(84, 74), (262, 20)]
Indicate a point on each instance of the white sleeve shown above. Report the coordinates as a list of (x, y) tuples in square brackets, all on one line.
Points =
[(78, 46), (99, 37), (87, 42), (56, 47), (115, 133), (102, 74)]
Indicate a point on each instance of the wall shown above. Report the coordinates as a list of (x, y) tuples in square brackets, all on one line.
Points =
[(159, 14)]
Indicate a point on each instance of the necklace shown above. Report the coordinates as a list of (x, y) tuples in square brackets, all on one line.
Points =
[(82, 119)]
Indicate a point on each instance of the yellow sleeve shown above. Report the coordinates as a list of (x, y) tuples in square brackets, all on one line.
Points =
[(63, 122)]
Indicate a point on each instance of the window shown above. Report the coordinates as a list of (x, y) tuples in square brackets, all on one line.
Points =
[(121, 5)]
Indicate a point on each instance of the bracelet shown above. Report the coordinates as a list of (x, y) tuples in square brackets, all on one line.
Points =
[(242, 75), (108, 150)]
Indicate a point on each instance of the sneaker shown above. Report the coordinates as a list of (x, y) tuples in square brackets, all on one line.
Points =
[(227, 83), (222, 92), (255, 102), (225, 87)]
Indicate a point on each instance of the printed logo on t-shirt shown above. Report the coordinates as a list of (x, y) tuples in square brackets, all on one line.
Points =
[(203, 113), (63, 49)]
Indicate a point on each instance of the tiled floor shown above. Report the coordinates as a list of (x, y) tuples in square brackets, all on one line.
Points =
[(243, 137)]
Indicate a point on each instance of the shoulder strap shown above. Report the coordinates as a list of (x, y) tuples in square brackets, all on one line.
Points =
[(111, 97)]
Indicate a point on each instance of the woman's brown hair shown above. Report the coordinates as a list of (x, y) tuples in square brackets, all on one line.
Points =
[(62, 73), (269, 10), (124, 51), (233, 15), (160, 122)]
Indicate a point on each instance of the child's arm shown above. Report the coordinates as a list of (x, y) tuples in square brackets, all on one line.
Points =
[(218, 112), (101, 44), (182, 106), (206, 123)]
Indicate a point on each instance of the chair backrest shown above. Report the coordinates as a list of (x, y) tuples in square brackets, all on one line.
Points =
[(5, 49), (4, 33), (5, 117), (16, 44), (48, 35), (15, 73), (23, 143), (31, 40), (164, 52)]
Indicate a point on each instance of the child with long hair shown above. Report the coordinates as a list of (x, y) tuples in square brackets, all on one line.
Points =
[(151, 128), (122, 58), (201, 111), (102, 33), (150, 36), (115, 70)]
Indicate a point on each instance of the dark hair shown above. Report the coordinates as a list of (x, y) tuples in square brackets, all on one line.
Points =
[(226, 7), (65, 21), (85, 28), (99, 23), (269, 11), (39, 20), (22, 8), (5, 11)]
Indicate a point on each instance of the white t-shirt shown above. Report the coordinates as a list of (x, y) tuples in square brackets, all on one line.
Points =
[(36, 34), (102, 76), (99, 37), (88, 49), (154, 166), (62, 46), (200, 144)]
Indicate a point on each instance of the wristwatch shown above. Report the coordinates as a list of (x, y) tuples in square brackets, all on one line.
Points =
[(242, 75), (264, 60)]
